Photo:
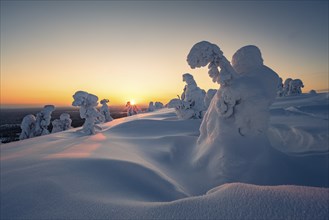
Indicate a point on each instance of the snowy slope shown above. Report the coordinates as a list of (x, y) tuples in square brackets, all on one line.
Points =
[(140, 167)]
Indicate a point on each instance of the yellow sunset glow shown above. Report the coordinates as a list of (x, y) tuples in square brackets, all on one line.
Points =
[(118, 50)]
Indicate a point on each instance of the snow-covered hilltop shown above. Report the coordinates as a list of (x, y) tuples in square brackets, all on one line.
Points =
[(139, 167)]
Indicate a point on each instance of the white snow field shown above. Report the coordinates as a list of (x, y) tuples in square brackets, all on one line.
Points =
[(141, 167)]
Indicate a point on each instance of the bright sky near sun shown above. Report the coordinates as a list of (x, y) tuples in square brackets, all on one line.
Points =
[(137, 49)]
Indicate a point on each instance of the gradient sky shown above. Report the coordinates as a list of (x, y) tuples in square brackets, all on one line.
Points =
[(137, 50)]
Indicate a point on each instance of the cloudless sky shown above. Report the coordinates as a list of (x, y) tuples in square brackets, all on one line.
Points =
[(123, 50)]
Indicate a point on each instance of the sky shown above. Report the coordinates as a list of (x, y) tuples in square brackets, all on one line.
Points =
[(124, 50)]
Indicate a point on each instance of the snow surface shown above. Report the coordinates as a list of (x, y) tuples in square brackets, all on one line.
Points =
[(139, 167)]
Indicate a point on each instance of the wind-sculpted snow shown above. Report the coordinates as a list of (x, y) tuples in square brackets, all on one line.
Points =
[(141, 167), (87, 103)]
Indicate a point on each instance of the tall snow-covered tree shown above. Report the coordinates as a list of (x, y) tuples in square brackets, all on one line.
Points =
[(238, 115)]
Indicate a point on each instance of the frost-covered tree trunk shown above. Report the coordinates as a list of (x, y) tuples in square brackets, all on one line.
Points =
[(87, 103), (234, 126)]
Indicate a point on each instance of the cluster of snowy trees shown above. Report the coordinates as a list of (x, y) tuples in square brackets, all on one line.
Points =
[(33, 126), (132, 109), (62, 124), (88, 111), (290, 87), (152, 107)]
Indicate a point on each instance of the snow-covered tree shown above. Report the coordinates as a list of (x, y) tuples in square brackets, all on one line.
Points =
[(238, 115), (183, 109), (27, 126), (151, 107), (132, 109), (280, 88), (192, 96), (158, 105), (295, 87), (62, 124), (312, 92), (286, 87), (43, 120), (173, 103), (105, 111), (87, 103)]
